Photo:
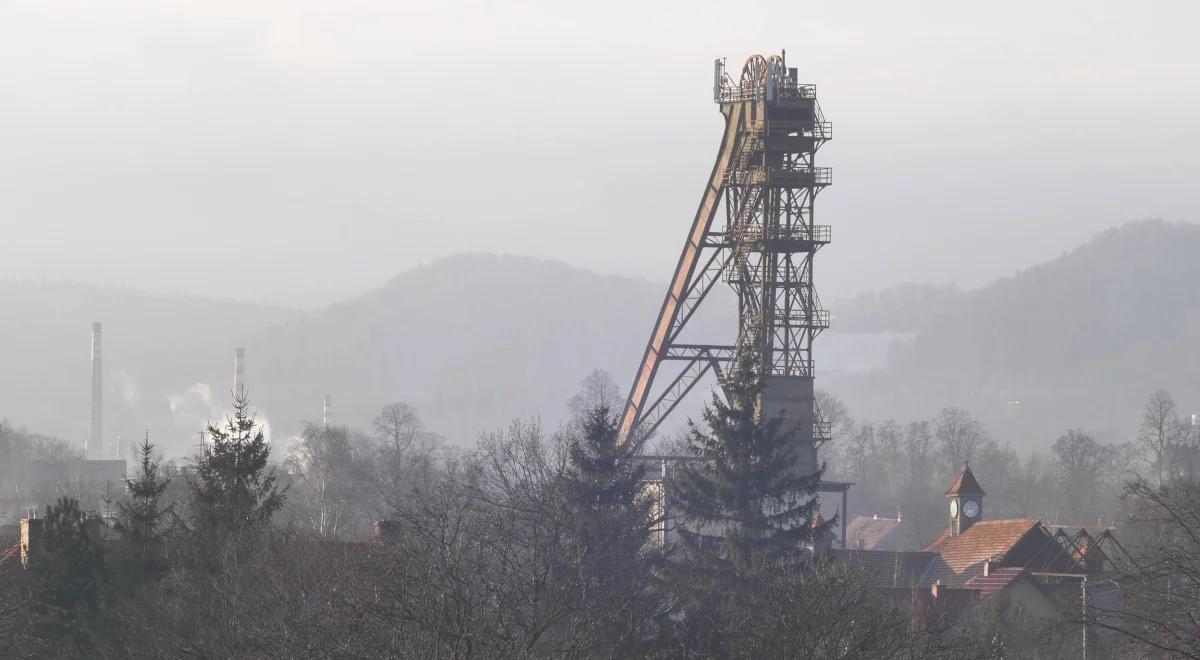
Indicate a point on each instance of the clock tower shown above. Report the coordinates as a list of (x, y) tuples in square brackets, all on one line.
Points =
[(966, 501)]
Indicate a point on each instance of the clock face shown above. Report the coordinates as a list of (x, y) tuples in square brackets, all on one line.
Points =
[(953, 508), (971, 508)]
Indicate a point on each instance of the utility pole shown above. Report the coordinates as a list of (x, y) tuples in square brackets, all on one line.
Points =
[(1083, 599)]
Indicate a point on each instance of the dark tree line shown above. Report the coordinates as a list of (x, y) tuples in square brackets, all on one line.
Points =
[(902, 470), (531, 544)]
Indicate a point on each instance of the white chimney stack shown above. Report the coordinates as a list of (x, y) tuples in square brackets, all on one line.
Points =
[(239, 370), (94, 443)]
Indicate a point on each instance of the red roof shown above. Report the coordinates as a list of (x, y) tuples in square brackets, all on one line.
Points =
[(995, 581), (867, 533), (965, 484), (962, 556)]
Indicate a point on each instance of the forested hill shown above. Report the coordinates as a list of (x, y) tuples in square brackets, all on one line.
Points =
[(1080, 341), (475, 340), (471, 341), (903, 308)]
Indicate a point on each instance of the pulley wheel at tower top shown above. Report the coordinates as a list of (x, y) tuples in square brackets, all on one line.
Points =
[(757, 68)]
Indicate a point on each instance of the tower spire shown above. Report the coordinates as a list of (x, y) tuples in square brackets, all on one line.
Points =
[(965, 497)]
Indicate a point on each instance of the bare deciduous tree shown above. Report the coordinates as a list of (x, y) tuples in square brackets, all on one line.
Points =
[(1154, 602), (858, 455), (1184, 454), (834, 413), (920, 503), (330, 468), (843, 616), (404, 457), (597, 389), (960, 435), (398, 424), (1035, 488), (1082, 463), (1159, 430)]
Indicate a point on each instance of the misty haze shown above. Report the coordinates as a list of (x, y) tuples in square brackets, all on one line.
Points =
[(542, 330)]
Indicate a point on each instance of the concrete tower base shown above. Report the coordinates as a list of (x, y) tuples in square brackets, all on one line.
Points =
[(792, 397)]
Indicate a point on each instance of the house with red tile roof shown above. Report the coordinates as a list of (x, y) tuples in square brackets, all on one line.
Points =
[(875, 533), (974, 560)]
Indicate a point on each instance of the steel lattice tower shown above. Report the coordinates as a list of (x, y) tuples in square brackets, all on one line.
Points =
[(766, 178)]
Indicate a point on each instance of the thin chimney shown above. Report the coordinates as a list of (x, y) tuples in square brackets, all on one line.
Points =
[(94, 444), (327, 410), (239, 370), (31, 538)]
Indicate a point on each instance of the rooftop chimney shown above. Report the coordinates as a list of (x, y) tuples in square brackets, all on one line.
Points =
[(31, 538), (94, 444), (239, 370)]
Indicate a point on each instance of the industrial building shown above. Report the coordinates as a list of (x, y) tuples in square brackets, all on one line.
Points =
[(765, 177)]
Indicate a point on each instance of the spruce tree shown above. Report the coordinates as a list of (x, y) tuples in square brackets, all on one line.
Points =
[(611, 516), (743, 510), (142, 517), (605, 479), (65, 570), (745, 505), (605, 491), (234, 493)]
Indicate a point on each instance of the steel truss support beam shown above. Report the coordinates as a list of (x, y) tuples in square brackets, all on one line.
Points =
[(681, 283), (679, 387)]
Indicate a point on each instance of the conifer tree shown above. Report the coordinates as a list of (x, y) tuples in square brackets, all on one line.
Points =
[(65, 570), (142, 515), (605, 491), (234, 493), (605, 481), (745, 506), (612, 515)]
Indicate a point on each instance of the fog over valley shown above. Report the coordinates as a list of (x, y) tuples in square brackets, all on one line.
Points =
[(1083, 337), (521, 329)]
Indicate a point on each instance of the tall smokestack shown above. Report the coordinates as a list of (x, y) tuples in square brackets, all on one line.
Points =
[(239, 370), (327, 410), (94, 445)]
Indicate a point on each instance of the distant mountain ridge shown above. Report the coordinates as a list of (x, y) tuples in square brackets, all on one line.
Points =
[(475, 340), (1079, 341), (908, 307), (470, 340)]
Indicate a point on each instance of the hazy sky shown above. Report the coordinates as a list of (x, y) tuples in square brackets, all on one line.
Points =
[(298, 151)]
